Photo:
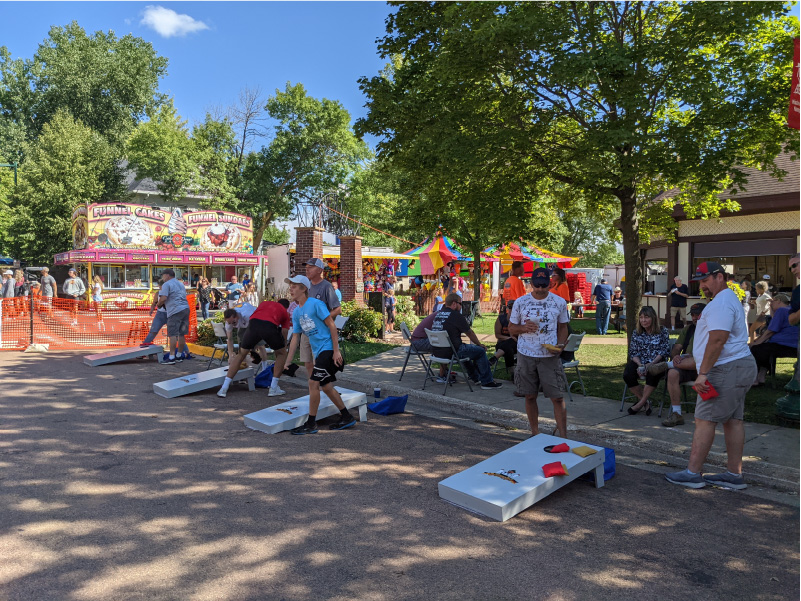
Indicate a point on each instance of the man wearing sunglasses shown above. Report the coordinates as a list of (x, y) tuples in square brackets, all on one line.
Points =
[(539, 319)]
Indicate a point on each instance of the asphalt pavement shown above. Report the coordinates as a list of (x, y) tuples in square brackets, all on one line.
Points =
[(111, 492)]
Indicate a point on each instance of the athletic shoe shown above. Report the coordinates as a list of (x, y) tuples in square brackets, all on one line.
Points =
[(674, 419), (345, 421), (305, 429), (188, 356), (167, 360), (222, 392), (179, 357), (493, 360), (491, 386), (684, 478), (276, 391), (727, 480), (654, 369)]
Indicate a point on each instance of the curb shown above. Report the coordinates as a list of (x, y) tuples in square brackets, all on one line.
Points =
[(759, 472)]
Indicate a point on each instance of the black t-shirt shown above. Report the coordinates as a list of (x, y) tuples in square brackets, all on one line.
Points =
[(679, 301), (452, 322), (794, 300)]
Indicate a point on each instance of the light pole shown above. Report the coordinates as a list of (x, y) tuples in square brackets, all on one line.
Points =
[(14, 167)]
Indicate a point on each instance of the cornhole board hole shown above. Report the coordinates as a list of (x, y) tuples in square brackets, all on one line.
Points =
[(123, 354), (504, 485), (204, 380), (295, 413)]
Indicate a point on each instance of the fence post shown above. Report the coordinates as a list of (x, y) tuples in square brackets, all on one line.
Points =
[(31, 321)]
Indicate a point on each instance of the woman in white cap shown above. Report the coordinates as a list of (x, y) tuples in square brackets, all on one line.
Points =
[(8, 284)]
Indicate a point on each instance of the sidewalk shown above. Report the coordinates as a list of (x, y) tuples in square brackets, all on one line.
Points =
[(770, 458)]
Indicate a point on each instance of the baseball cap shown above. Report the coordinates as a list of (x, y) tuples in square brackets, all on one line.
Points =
[(707, 268), (783, 297), (8, 272), (315, 262), (697, 308), (169, 272), (540, 276), (299, 279)]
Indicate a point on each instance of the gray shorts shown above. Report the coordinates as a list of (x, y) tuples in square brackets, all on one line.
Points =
[(306, 355), (532, 373), (178, 323), (732, 380)]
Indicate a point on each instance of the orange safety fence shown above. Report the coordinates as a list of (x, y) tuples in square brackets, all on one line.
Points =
[(66, 324)]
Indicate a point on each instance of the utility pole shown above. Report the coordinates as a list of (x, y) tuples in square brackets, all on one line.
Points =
[(14, 167)]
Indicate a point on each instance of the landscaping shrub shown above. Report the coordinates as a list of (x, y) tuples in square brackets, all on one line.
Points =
[(362, 323), (205, 331), (405, 312)]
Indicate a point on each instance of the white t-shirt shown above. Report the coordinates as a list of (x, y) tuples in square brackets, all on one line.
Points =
[(548, 313), (243, 314), (724, 312)]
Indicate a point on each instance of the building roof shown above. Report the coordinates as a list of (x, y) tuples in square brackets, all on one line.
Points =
[(145, 185)]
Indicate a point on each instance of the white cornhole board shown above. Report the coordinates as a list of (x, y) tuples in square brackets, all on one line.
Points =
[(123, 354), (477, 490), (295, 413), (204, 380)]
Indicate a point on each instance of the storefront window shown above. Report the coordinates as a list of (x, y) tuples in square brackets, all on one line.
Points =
[(155, 274), (195, 273), (116, 276), (102, 271), (217, 273), (755, 268), (137, 276)]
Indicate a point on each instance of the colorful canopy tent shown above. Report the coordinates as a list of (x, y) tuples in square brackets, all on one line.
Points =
[(436, 254), (531, 254)]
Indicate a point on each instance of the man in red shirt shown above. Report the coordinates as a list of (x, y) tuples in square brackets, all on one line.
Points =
[(514, 287), (269, 322)]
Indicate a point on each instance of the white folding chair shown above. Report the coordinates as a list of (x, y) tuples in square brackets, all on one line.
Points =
[(221, 344), (441, 343), (572, 345), (410, 350)]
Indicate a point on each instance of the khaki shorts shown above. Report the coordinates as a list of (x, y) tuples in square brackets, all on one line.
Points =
[(680, 311), (305, 349), (732, 380), (532, 373)]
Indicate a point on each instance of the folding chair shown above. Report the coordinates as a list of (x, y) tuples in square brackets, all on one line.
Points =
[(410, 350), (339, 322), (686, 388), (221, 344), (572, 345), (441, 343)]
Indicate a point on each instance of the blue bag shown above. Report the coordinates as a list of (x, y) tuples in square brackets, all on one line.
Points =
[(609, 468), (265, 377), (390, 405)]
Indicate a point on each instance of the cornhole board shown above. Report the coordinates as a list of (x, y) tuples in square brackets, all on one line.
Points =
[(123, 354), (204, 380), (483, 489), (292, 414)]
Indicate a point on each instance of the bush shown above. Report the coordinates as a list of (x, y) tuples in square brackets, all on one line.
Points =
[(205, 331), (362, 323), (405, 312)]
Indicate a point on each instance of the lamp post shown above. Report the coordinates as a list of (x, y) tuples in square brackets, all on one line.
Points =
[(14, 167)]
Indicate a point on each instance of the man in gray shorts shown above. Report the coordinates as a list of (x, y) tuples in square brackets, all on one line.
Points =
[(724, 362), (322, 290), (539, 319), (172, 296)]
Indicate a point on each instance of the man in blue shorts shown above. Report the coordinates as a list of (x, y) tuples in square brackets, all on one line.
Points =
[(313, 319)]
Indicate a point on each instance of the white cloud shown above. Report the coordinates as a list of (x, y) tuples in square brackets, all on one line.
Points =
[(168, 23)]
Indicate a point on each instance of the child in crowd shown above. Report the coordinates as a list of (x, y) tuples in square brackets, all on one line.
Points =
[(578, 305)]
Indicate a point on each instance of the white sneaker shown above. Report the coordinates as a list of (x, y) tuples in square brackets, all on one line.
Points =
[(222, 392), (276, 391)]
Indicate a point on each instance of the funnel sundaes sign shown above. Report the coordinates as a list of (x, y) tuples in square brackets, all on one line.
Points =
[(130, 226)]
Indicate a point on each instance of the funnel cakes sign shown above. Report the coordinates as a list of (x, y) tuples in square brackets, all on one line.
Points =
[(129, 226)]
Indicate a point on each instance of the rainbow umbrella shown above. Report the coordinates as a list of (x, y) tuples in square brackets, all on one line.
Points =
[(531, 254)]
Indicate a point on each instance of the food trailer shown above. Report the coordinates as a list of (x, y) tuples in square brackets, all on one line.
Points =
[(128, 246)]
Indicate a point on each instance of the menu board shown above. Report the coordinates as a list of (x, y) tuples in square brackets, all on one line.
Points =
[(128, 226)]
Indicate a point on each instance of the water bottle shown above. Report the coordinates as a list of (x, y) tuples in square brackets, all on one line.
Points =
[(377, 392)]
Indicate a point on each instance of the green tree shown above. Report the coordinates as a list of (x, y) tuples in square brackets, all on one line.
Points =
[(63, 169), (313, 150), (621, 100), (215, 152), (162, 150)]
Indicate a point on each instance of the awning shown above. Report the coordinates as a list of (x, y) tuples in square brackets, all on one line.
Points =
[(146, 257)]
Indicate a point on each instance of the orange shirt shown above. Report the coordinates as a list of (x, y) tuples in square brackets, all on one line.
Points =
[(513, 288), (563, 291)]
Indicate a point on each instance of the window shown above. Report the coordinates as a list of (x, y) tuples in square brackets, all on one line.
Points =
[(116, 276), (137, 276), (217, 272), (102, 271)]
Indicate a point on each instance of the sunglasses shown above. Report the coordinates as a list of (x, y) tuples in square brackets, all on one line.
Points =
[(540, 285), (793, 265)]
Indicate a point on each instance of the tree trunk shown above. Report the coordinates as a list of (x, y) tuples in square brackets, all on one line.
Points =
[(477, 275), (630, 228), (258, 232)]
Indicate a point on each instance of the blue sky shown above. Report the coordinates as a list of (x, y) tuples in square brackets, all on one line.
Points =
[(217, 48)]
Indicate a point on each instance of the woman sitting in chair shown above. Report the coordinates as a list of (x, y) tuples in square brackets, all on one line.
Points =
[(506, 346), (649, 344)]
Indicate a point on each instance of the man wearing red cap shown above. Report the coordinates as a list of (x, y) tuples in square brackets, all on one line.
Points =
[(726, 370)]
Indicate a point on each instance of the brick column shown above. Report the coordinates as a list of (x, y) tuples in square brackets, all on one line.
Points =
[(308, 244), (351, 280)]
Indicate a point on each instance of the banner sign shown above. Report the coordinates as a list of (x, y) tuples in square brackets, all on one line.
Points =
[(152, 258), (125, 226), (794, 113)]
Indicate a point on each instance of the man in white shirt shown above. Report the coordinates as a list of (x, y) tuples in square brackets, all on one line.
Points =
[(724, 362), (539, 319)]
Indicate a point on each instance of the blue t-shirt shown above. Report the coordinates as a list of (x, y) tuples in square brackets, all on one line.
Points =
[(785, 334), (234, 291), (339, 294), (389, 302), (310, 320), (603, 292), (175, 291)]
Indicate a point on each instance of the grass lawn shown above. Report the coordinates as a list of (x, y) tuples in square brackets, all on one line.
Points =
[(486, 325), (602, 372)]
